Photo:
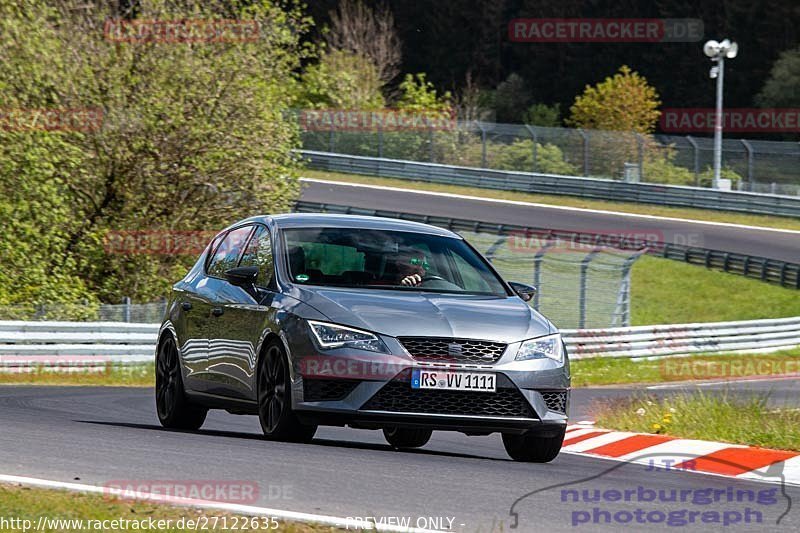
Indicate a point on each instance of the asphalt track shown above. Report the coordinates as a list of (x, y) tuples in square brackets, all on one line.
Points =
[(103, 436), (761, 242)]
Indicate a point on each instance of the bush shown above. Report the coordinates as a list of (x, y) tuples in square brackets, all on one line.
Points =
[(341, 80), (543, 115), (515, 156)]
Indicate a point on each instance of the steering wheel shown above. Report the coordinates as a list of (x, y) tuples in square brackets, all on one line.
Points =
[(432, 277)]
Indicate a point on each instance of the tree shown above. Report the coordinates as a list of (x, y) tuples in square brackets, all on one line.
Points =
[(623, 102), (342, 80), (418, 94), (782, 88), (511, 98), (543, 115), (369, 33), (190, 136)]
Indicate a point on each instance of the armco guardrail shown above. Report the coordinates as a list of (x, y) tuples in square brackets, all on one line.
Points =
[(679, 339), (603, 189), (69, 344), (762, 268), (75, 344)]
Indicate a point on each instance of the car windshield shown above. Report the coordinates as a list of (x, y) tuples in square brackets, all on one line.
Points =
[(379, 259)]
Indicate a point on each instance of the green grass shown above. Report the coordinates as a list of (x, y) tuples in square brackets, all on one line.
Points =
[(624, 207), (664, 291), (616, 371), (142, 375), (26, 503), (715, 417)]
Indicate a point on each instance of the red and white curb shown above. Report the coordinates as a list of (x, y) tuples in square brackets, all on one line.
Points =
[(664, 452)]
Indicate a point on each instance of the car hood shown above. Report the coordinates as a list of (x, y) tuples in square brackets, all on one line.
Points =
[(428, 314)]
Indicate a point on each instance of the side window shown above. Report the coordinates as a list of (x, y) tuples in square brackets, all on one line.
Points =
[(227, 254), (259, 253)]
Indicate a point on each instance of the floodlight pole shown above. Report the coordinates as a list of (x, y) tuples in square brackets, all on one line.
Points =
[(718, 123)]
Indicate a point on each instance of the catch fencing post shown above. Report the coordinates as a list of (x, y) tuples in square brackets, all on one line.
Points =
[(430, 143), (535, 147), (126, 311), (582, 295), (640, 152), (537, 271), (483, 145), (750, 154), (696, 150), (624, 295), (585, 137)]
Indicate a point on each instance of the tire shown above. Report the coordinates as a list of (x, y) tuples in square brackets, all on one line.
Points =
[(533, 446), (278, 421), (174, 409), (407, 437)]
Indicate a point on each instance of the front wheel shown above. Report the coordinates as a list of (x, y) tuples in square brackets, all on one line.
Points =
[(407, 437), (175, 411), (278, 421), (534, 446)]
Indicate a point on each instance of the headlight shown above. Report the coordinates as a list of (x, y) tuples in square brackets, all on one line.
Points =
[(549, 347), (331, 336)]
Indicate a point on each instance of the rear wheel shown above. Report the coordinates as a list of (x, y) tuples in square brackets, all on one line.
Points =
[(407, 437), (278, 421), (175, 411), (535, 446)]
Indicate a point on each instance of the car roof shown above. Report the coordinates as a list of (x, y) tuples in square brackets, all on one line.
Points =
[(316, 220)]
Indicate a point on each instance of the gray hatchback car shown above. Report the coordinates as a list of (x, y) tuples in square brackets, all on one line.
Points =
[(374, 323)]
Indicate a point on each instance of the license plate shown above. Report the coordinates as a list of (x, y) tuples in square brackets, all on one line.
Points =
[(468, 381)]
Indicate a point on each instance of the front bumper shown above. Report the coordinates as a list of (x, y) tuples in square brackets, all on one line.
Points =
[(363, 389)]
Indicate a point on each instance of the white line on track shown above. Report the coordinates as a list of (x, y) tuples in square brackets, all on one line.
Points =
[(205, 504), (753, 379), (549, 206)]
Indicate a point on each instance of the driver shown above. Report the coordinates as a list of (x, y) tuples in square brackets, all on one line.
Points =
[(411, 268)]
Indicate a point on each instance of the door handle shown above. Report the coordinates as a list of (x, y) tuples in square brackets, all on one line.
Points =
[(217, 311), (186, 305)]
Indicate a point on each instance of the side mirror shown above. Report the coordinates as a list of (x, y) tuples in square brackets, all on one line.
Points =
[(526, 292), (244, 277)]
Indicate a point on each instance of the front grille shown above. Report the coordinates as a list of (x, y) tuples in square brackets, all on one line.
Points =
[(323, 390), (442, 349), (555, 400), (398, 396)]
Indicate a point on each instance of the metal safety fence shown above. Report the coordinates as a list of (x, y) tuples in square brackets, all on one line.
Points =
[(127, 311), (27, 346), (759, 166), (749, 336), (513, 180)]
